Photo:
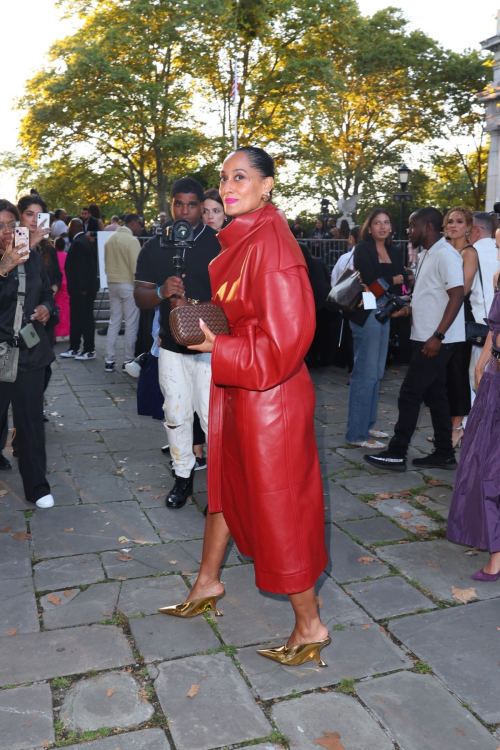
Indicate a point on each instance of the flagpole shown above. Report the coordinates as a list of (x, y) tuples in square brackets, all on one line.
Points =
[(236, 96)]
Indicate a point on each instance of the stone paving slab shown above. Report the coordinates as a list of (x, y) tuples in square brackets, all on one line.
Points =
[(223, 712), (441, 495), (344, 563), (42, 656), (61, 599), (63, 489), (307, 720), (341, 505), (462, 646), (420, 713), (254, 616), (372, 530), (374, 484), (146, 596), (443, 475), (10, 522), (145, 739), (354, 652), (152, 436), (103, 489), (186, 523), (160, 637), (389, 597), (397, 507), (18, 610), (109, 700), (91, 530), (93, 464), (68, 571), (81, 449), (92, 605), (15, 558), (438, 565), (26, 718)]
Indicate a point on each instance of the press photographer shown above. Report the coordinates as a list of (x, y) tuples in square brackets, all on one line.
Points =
[(381, 269), (438, 324), (184, 375)]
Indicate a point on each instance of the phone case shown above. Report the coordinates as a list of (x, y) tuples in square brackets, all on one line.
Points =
[(30, 336), (40, 218), (22, 237)]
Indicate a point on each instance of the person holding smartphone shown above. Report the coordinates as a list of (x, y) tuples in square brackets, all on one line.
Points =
[(26, 392)]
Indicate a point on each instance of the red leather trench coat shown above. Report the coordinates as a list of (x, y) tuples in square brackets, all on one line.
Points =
[(263, 462)]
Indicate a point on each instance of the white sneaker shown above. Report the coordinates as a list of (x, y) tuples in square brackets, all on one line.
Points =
[(377, 434), (70, 353), (47, 501), (368, 444), (85, 355)]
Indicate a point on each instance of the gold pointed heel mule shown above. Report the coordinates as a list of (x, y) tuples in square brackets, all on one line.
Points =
[(296, 655), (196, 607)]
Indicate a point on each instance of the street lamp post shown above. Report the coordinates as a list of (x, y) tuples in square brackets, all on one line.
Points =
[(403, 197)]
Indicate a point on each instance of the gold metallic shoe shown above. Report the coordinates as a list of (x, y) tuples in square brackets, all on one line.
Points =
[(297, 654), (196, 607)]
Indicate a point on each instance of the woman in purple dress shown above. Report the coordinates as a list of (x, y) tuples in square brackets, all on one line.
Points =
[(474, 517)]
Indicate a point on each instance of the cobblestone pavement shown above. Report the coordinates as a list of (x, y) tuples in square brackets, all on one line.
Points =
[(86, 660)]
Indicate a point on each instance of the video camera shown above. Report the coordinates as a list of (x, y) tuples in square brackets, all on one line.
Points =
[(180, 235)]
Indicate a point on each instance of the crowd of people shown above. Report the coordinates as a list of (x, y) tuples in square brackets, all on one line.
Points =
[(248, 395)]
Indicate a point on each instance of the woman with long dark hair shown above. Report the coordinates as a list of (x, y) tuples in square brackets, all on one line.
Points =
[(264, 480), (377, 261), (213, 210)]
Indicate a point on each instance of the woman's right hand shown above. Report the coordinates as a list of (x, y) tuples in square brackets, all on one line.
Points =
[(14, 256), (40, 233)]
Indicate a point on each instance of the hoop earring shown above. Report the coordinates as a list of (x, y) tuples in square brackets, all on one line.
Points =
[(266, 197)]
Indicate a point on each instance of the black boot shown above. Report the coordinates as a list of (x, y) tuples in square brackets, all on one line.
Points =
[(4, 463), (180, 492), (436, 461)]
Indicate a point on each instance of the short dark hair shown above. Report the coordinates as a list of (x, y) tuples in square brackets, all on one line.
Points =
[(129, 218), (58, 212), (430, 215), (365, 229), (28, 200), (187, 185), (60, 244), (213, 195), (259, 160), (6, 205), (485, 220)]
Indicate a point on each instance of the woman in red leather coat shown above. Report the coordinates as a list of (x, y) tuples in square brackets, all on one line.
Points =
[(264, 481)]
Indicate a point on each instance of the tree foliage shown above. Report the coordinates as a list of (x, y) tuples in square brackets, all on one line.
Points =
[(141, 95)]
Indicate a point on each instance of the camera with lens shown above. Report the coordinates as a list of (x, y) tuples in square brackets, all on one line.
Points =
[(179, 234), (393, 304)]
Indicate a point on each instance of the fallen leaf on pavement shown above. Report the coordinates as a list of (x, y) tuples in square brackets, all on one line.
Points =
[(320, 602), (420, 527), (110, 692), (325, 689), (20, 536), (193, 690), (384, 496), (68, 530), (124, 557), (145, 488), (464, 595), (139, 541), (435, 482), (26, 725), (157, 497), (431, 565), (120, 471), (12, 632), (460, 731), (172, 562), (5, 529), (121, 578), (405, 515), (54, 599), (365, 627), (123, 539), (3, 493), (366, 560), (331, 741), (69, 592)]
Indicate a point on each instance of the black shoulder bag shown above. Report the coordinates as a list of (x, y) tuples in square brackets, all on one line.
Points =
[(477, 333)]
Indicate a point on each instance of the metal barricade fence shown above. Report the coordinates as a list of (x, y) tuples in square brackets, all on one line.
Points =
[(330, 250)]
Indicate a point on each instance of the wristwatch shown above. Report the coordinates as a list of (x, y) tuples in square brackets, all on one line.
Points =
[(439, 335)]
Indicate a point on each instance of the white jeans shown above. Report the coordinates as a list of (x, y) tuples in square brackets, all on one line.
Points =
[(122, 307), (185, 384)]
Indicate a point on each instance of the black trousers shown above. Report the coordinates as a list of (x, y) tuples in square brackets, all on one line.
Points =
[(81, 324), (26, 396), (425, 381)]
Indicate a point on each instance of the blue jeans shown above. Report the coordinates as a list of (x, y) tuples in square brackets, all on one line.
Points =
[(371, 343)]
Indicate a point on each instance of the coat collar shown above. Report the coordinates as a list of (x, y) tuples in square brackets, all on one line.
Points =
[(242, 226)]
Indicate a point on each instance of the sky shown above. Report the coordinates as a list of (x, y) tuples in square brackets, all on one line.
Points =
[(463, 24)]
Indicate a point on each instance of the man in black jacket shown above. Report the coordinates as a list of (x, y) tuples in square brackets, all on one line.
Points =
[(81, 277)]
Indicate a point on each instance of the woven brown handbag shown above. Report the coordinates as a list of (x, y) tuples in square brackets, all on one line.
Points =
[(185, 322)]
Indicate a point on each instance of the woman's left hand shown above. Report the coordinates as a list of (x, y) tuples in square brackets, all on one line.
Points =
[(41, 314), (208, 344)]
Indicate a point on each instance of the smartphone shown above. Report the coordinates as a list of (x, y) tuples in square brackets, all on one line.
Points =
[(40, 219), (22, 237)]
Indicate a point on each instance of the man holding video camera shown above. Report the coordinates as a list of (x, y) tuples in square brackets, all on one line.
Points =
[(184, 375), (438, 324)]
